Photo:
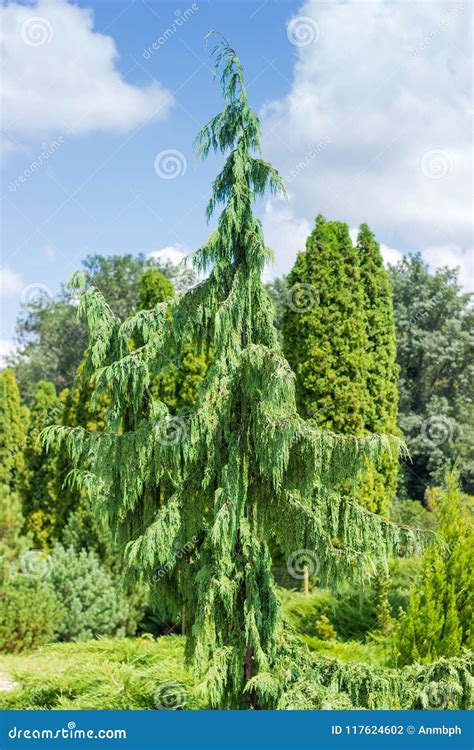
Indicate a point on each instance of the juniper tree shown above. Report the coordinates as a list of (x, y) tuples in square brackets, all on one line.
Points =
[(195, 500), (439, 618)]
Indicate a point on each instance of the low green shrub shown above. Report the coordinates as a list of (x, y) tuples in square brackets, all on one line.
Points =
[(134, 674), (103, 674), (92, 603), (29, 613)]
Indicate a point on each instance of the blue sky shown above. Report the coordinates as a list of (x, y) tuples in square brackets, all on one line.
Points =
[(364, 109)]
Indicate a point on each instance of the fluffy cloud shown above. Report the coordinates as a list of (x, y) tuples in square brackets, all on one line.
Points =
[(59, 76), (11, 285), (375, 126), (7, 347), (172, 253)]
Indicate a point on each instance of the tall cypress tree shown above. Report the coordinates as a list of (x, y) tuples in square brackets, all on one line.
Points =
[(339, 337), (325, 332), (381, 409), (196, 505), (13, 419), (39, 483)]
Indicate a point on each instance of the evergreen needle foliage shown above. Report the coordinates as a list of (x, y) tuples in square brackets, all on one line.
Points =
[(195, 499)]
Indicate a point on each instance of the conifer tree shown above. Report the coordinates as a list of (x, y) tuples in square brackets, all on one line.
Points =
[(154, 288), (381, 409), (39, 483), (195, 501), (340, 340), (13, 419), (439, 619), (324, 330), (177, 384)]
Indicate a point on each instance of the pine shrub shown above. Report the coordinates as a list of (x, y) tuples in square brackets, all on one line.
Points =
[(92, 604)]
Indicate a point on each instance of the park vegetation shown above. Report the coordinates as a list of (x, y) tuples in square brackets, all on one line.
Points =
[(258, 494)]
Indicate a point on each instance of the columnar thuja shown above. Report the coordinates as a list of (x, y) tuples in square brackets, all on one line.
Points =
[(246, 467)]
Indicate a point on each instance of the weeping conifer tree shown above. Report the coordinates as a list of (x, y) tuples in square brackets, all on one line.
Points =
[(195, 499)]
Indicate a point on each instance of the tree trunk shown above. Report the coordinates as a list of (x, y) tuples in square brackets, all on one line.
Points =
[(306, 579)]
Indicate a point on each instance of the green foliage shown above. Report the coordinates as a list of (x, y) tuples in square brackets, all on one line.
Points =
[(383, 610), (326, 343), (332, 684), (154, 288), (196, 505), (413, 513), (439, 618), (118, 674), (39, 485), (435, 344), (278, 292), (339, 338), (118, 277), (92, 603), (124, 674), (28, 613), (50, 340), (12, 431), (381, 409), (382, 370), (12, 540), (325, 630), (50, 345), (177, 384)]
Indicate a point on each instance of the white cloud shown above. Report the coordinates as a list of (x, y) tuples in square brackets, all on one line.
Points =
[(452, 255), (390, 255), (387, 87), (172, 253), (11, 284), (59, 76), (7, 347), (285, 234)]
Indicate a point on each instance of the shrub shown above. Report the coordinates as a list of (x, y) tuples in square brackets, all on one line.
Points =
[(29, 613), (438, 620), (325, 629), (92, 602)]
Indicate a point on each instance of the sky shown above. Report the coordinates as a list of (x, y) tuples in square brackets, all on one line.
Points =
[(364, 106)]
